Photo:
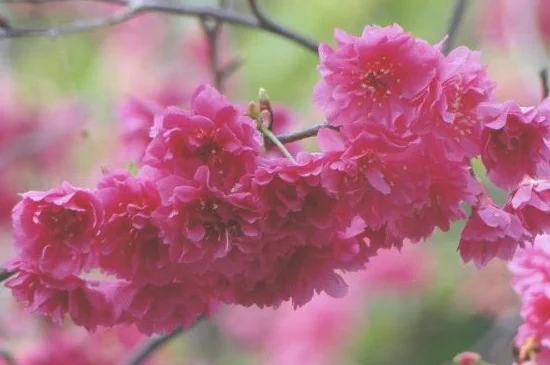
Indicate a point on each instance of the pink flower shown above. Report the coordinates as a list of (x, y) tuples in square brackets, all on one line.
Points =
[(161, 309), (380, 76), (206, 229), (296, 276), (491, 232), (455, 124), (468, 358), (531, 203), (514, 143), (136, 119), (531, 279), (449, 184), (129, 244), (54, 230), (371, 174), (212, 133), (393, 184), (42, 294), (299, 249)]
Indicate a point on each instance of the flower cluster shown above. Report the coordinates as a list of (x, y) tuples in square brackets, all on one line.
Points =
[(215, 215)]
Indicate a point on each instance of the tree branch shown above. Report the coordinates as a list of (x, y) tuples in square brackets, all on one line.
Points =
[(544, 82), (77, 26), (269, 25), (149, 346), (459, 9), (304, 133), (5, 275), (134, 8)]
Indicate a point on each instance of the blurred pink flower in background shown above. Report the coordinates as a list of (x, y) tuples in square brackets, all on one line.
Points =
[(314, 334)]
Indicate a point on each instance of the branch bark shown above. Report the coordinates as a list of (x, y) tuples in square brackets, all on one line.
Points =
[(304, 133), (133, 8), (5, 275), (269, 25), (457, 15)]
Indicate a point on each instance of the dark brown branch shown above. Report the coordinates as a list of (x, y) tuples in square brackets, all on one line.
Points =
[(269, 25), (149, 346), (459, 9), (5, 275), (544, 82), (173, 8), (303, 134)]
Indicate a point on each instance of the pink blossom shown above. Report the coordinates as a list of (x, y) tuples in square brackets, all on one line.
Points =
[(54, 230), (449, 184), (514, 143), (491, 232), (45, 295), (392, 184), (380, 76), (531, 278), (161, 309), (468, 358), (371, 174), (129, 243), (531, 203), (300, 242), (212, 133), (206, 229), (455, 123)]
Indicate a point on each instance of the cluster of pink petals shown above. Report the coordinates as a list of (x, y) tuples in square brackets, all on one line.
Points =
[(52, 229), (215, 216), (491, 232), (531, 281), (515, 143)]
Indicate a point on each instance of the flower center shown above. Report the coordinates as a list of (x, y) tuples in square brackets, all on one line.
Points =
[(219, 230), (62, 223), (377, 81)]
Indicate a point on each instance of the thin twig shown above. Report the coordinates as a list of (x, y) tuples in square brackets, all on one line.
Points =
[(5, 275), (143, 351), (305, 133), (273, 139), (212, 31), (544, 82), (161, 6), (77, 26), (269, 25), (459, 9)]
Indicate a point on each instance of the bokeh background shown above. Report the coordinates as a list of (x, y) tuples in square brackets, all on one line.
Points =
[(63, 107)]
